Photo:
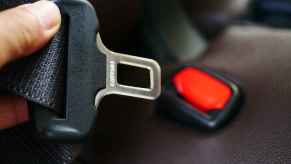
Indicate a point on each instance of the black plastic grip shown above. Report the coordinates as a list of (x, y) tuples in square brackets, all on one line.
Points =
[(86, 75)]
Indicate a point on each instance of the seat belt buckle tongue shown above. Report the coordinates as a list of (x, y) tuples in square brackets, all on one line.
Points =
[(112, 84), (92, 73)]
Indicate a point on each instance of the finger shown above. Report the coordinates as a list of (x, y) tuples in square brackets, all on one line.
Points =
[(26, 28), (13, 111)]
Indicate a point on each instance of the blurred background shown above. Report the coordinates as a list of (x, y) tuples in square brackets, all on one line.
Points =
[(179, 30), (128, 21)]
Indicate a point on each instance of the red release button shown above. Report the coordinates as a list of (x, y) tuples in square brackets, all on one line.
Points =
[(201, 90)]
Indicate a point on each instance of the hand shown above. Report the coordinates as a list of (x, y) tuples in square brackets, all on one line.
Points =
[(23, 30)]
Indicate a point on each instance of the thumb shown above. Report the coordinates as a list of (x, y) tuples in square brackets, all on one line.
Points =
[(26, 28)]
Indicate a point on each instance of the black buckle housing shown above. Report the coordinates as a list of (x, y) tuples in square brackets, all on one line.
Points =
[(174, 106), (86, 75)]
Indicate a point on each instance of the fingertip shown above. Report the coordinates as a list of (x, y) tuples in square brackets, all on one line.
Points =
[(13, 111), (48, 15), (21, 110)]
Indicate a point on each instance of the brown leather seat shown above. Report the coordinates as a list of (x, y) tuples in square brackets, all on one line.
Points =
[(131, 132)]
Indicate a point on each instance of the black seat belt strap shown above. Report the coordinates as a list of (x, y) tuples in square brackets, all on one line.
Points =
[(27, 78)]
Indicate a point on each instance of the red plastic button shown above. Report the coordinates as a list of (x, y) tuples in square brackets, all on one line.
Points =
[(201, 90)]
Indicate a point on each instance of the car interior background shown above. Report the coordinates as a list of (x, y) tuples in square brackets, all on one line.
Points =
[(246, 40)]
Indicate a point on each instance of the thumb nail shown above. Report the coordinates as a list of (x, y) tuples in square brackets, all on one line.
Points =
[(47, 13)]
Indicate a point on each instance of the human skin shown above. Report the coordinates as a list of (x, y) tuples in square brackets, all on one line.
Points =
[(23, 30)]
